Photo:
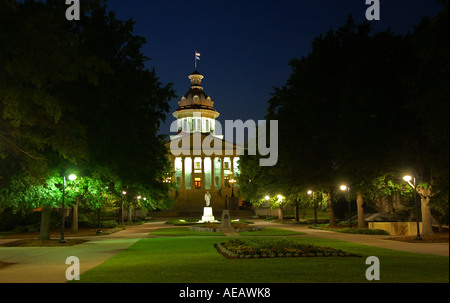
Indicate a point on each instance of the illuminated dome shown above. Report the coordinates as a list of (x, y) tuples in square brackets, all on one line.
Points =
[(196, 111), (196, 100)]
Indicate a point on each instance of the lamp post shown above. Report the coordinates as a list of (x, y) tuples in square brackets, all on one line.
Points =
[(99, 231), (413, 185), (137, 205), (280, 204), (310, 192), (121, 208), (346, 188), (71, 178), (232, 181)]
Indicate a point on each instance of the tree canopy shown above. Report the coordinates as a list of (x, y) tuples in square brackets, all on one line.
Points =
[(78, 95), (359, 108)]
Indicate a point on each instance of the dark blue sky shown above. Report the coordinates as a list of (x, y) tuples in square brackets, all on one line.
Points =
[(245, 46)]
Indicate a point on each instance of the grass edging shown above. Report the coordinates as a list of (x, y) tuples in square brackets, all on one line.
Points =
[(43, 243), (351, 230)]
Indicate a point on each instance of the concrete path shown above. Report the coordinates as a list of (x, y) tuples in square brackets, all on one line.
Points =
[(48, 264)]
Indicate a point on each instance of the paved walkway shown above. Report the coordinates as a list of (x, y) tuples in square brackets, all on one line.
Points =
[(47, 264)]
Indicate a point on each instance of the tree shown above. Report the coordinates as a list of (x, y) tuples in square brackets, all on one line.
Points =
[(79, 93), (27, 193), (124, 111), (346, 110), (427, 147)]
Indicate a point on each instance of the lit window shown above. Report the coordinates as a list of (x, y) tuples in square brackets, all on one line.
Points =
[(198, 182), (198, 165), (226, 181)]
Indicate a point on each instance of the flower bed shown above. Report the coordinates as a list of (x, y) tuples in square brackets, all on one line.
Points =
[(273, 248)]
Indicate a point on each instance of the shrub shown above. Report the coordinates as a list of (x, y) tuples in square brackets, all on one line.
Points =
[(108, 224), (9, 221), (278, 247), (362, 231)]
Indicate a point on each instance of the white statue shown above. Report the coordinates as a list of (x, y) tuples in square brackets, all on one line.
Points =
[(208, 198)]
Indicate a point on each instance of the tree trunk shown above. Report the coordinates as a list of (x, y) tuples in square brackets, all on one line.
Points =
[(296, 213), (360, 207), (129, 214), (390, 204), (331, 208), (121, 213), (397, 201), (44, 233), (427, 228), (315, 214), (281, 214), (74, 227)]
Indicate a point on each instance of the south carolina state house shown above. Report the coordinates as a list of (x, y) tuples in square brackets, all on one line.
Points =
[(201, 161)]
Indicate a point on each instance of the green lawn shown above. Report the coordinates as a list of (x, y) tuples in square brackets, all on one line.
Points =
[(185, 232), (195, 260), (271, 231)]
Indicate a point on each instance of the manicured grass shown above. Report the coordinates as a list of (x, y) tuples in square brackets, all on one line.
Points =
[(183, 232), (196, 260), (43, 243), (271, 231)]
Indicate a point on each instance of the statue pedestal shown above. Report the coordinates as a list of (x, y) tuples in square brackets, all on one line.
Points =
[(207, 215), (225, 225)]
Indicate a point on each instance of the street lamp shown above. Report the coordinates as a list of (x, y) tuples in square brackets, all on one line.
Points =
[(346, 188), (413, 185), (121, 208), (71, 178), (280, 204), (232, 181), (310, 192), (137, 205), (99, 231)]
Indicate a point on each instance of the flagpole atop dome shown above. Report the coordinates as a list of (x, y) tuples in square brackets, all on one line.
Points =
[(197, 57)]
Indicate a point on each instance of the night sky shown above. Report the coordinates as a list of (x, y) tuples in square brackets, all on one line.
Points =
[(245, 46)]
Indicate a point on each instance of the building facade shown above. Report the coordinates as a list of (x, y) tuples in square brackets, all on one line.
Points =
[(201, 160)]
